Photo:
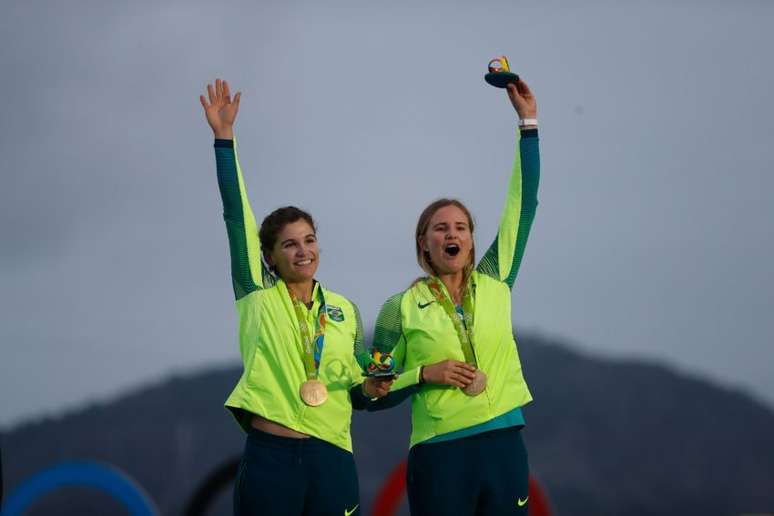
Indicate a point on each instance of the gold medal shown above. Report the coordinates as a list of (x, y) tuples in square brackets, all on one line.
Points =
[(314, 393), (478, 384)]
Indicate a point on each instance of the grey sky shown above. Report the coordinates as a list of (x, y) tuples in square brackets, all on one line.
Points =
[(653, 237)]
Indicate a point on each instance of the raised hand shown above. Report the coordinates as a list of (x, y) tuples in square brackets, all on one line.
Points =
[(522, 99), (221, 111), (449, 372)]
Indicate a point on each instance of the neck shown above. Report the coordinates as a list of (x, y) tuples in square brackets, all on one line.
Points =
[(455, 284), (302, 290)]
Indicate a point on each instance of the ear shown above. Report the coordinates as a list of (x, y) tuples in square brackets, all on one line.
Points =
[(268, 259), (423, 244)]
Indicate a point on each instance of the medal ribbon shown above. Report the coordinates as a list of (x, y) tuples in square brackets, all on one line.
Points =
[(464, 330), (312, 346)]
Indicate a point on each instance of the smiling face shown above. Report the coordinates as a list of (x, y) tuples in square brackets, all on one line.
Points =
[(446, 243), (295, 254)]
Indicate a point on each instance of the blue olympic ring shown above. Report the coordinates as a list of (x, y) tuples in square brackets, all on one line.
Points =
[(101, 476)]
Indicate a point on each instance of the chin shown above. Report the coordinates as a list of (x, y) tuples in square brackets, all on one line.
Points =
[(304, 275), (449, 268)]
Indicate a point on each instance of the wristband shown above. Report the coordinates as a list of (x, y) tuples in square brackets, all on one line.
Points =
[(527, 121)]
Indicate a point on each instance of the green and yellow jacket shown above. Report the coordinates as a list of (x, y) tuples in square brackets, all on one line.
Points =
[(269, 337), (415, 328)]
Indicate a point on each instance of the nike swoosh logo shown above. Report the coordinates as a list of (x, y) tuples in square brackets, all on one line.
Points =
[(348, 513), (422, 306), (519, 501)]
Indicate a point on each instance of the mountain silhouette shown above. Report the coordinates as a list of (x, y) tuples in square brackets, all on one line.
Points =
[(605, 437)]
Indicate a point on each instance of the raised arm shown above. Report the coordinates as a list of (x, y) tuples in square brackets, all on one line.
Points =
[(247, 272), (503, 258)]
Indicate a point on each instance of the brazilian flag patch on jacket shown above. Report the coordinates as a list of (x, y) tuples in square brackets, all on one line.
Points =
[(335, 313)]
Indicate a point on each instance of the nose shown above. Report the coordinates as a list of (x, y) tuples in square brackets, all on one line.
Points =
[(303, 250)]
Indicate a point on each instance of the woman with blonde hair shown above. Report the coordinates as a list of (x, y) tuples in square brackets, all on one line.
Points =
[(451, 335)]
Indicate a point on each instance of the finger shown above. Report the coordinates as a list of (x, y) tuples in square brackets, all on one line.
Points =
[(211, 93), (467, 374), (204, 102), (523, 88), (236, 98), (463, 367), (226, 91), (462, 379), (219, 88)]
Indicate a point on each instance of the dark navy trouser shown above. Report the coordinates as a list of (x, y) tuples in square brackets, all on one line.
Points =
[(479, 475), (295, 477)]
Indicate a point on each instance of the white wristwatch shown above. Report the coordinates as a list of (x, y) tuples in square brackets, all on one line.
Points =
[(527, 121)]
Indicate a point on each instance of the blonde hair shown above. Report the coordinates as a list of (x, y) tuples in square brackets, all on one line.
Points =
[(423, 257)]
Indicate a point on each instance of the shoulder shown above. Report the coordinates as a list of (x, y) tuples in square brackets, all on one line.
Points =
[(334, 298), (413, 292), (487, 283), (483, 279), (391, 308), (416, 295), (259, 296), (339, 307)]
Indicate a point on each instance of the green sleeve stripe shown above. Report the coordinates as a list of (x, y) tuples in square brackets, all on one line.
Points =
[(388, 338), (530, 165), (251, 229), (240, 222), (361, 355), (389, 326), (501, 261)]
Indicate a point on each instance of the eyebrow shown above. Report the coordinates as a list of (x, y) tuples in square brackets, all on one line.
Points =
[(293, 239), (458, 223)]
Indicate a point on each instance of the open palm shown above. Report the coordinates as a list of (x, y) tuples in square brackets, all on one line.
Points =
[(221, 110)]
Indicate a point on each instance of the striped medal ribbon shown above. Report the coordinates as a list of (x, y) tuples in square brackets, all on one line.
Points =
[(313, 392), (464, 328)]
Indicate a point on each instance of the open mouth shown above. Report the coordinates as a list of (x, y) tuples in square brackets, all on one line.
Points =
[(452, 249), (303, 262)]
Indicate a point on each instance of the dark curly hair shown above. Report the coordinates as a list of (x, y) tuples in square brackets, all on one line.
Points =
[(276, 221)]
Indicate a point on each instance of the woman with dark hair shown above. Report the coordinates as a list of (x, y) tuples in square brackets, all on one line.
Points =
[(450, 333), (299, 343)]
